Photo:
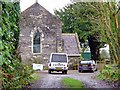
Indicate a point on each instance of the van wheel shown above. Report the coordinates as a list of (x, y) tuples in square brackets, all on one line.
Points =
[(96, 69), (92, 71), (65, 72), (49, 71)]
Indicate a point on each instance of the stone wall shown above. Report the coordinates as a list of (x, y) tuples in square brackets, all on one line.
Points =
[(73, 60), (33, 19)]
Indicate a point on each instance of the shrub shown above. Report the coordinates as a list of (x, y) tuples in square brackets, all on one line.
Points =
[(14, 73), (110, 73)]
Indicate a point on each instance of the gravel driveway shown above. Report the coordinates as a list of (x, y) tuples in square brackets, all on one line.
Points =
[(54, 80)]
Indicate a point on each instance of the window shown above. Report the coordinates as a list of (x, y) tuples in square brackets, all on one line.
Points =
[(37, 42), (59, 58)]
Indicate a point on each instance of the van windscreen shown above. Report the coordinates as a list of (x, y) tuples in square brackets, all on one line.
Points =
[(59, 58)]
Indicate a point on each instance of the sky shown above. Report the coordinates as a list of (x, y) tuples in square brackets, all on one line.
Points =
[(50, 5)]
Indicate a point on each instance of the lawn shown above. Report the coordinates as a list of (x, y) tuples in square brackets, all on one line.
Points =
[(72, 83)]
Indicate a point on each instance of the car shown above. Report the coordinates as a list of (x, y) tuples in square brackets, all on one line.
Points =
[(87, 65), (58, 62)]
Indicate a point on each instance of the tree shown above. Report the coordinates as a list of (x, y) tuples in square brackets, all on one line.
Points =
[(82, 18), (109, 28)]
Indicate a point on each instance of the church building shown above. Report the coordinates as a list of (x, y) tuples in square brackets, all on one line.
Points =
[(41, 35)]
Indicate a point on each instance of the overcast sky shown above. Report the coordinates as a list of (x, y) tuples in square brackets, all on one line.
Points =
[(50, 5)]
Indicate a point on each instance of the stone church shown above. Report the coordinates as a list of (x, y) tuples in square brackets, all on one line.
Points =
[(40, 35)]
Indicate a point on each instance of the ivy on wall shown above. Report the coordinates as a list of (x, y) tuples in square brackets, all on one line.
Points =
[(14, 73)]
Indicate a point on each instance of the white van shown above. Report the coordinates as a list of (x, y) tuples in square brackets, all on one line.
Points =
[(58, 62)]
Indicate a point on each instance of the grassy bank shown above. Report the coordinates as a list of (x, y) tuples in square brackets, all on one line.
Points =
[(72, 83)]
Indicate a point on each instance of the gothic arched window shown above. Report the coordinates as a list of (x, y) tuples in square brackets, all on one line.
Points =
[(37, 42)]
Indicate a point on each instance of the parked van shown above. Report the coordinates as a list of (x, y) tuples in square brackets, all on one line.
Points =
[(58, 62)]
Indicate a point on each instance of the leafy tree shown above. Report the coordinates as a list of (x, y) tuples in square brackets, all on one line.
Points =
[(109, 28), (109, 21), (82, 18)]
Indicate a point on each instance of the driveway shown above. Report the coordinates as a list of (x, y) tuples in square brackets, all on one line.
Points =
[(54, 80)]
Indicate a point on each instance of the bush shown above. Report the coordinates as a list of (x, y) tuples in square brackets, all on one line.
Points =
[(14, 73), (110, 73)]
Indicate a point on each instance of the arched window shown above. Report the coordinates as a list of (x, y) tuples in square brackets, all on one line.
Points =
[(37, 42)]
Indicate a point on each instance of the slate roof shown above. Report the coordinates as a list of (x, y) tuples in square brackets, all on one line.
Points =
[(71, 44)]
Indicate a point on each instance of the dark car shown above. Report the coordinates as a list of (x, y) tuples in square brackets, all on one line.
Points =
[(87, 65)]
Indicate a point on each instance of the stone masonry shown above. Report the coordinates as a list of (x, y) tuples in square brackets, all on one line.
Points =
[(37, 18)]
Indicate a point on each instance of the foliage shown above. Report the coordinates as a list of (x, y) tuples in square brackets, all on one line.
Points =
[(72, 83), (110, 33), (82, 18), (77, 18), (95, 21), (16, 76), (75, 65), (110, 73), (14, 73), (35, 76), (108, 22)]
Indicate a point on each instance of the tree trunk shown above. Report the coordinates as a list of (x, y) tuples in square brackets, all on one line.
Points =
[(119, 37), (93, 44)]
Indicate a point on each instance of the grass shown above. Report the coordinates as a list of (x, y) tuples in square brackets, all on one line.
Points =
[(72, 83)]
